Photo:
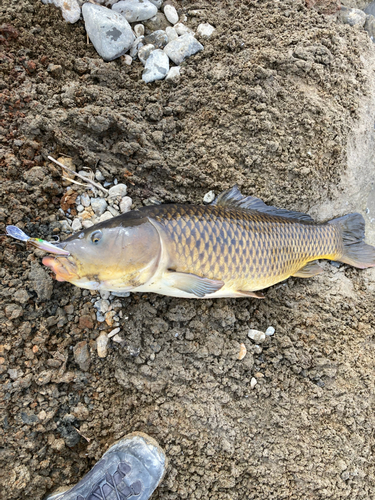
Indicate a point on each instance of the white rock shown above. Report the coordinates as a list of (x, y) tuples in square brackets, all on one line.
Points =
[(106, 216), (102, 305), (109, 32), (102, 345), (99, 205), (113, 332), (185, 46), (99, 176), (113, 211), (157, 3), (257, 336), (156, 67), (209, 197), (125, 204), (118, 190), (139, 30), (117, 338), (173, 74), (145, 51), (127, 59), (181, 29), (76, 225), (270, 330), (80, 208), (354, 17), (253, 382), (85, 200), (171, 14), (138, 43), (171, 33), (71, 11), (205, 30), (135, 10), (87, 223), (65, 226)]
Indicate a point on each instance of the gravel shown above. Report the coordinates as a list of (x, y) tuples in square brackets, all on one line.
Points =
[(135, 10), (156, 67), (257, 336), (183, 47)]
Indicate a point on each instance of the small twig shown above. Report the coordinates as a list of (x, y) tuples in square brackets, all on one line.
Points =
[(80, 433), (74, 182), (86, 179)]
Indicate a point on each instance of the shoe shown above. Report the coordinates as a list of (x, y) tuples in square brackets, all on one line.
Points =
[(130, 469)]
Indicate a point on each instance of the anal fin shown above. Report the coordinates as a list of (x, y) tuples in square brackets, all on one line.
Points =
[(309, 270), (245, 293), (191, 283)]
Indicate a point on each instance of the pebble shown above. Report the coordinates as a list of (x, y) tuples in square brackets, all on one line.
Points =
[(80, 208), (99, 317), (138, 43), (158, 38), (99, 176), (181, 29), (106, 216), (353, 17), (205, 30), (158, 22), (76, 225), (156, 67), (209, 197), (125, 204), (113, 332), (118, 339), (242, 352), (258, 349), (157, 3), (113, 211), (121, 294), (185, 46), (102, 305), (257, 336), (82, 356), (370, 28), (87, 223), (253, 382), (127, 59), (85, 200), (119, 190), (270, 330), (144, 52), (99, 205), (70, 9), (173, 74), (171, 33), (135, 10), (170, 13), (139, 30), (102, 345), (109, 31)]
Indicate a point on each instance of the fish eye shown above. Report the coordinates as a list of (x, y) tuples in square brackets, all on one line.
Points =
[(96, 236)]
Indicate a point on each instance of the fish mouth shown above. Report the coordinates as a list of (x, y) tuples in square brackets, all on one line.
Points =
[(63, 268)]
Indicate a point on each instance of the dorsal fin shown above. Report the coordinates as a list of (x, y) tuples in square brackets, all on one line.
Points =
[(232, 198)]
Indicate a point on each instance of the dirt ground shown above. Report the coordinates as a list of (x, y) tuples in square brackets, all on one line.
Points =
[(279, 102)]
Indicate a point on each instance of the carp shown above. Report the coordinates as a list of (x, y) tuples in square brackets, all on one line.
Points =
[(234, 247)]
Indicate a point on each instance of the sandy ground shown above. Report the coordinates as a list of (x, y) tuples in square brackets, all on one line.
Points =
[(279, 102)]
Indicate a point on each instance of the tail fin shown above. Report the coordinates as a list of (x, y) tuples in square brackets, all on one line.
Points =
[(356, 252)]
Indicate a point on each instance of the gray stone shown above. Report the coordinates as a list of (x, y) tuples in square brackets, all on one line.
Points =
[(257, 336), (370, 9), (118, 190), (185, 46), (270, 330), (370, 27), (209, 197), (170, 13), (173, 74), (109, 32), (135, 10), (158, 38), (156, 67), (158, 3), (82, 356), (99, 176), (40, 281), (144, 52), (171, 33), (99, 205), (113, 211), (138, 43), (85, 200), (158, 22), (205, 30), (353, 17), (106, 216), (76, 225)]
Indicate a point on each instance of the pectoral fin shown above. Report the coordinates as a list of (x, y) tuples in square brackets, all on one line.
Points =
[(311, 269), (191, 283), (245, 293)]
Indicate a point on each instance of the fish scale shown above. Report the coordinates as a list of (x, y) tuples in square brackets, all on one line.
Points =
[(242, 247)]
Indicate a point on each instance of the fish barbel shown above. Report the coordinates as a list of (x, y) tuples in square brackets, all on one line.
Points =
[(232, 248)]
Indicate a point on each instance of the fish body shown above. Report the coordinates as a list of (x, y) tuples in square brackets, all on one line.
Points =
[(233, 248)]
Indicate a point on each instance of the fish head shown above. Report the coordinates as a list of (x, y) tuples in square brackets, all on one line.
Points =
[(116, 255)]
